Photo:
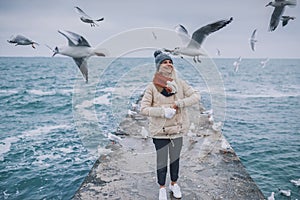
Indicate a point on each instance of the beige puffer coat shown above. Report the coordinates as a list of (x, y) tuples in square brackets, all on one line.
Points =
[(152, 105)]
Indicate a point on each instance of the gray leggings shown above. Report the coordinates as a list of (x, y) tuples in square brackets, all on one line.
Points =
[(165, 147)]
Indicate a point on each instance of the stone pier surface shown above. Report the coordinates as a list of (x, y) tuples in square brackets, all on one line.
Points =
[(209, 167)]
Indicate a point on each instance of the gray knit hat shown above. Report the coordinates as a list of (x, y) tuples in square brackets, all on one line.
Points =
[(160, 57)]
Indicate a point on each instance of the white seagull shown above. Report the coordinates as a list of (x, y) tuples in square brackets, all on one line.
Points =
[(236, 64), (21, 40), (285, 19), (272, 197), (79, 49), (278, 11), (87, 19), (113, 138), (285, 192), (194, 43), (296, 182), (264, 62), (253, 40), (218, 52)]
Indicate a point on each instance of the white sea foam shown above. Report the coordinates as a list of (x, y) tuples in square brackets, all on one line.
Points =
[(9, 91), (85, 104), (108, 89), (5, 146), (66, 91), (103, 100), (45, 160), (43, 130), (65, 150), (263, 95), (41, 92)]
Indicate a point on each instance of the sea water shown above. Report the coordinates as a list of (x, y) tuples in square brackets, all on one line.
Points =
[(53, 125)]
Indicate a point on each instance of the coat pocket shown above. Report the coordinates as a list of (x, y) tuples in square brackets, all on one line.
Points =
[(170, 130)]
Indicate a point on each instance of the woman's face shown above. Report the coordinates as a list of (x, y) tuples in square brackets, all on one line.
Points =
[(166, 66)]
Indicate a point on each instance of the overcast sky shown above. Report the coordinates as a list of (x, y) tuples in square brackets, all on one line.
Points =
[(39, 20)]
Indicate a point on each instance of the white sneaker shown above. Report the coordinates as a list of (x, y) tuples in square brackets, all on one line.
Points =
[(176, 190), (162, 194)]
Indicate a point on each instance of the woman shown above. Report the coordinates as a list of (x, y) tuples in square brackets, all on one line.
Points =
[(165, 101)]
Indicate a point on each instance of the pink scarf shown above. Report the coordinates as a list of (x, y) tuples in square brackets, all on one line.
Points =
[(161, 82)]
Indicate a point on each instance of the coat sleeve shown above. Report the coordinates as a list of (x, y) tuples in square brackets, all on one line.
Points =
[(191, 96), (146, 104)]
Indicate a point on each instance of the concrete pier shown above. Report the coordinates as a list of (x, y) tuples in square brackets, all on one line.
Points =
[(209, 167)]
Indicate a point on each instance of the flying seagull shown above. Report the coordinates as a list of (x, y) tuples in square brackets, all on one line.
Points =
[(285, 19), (194, 43), (87, 19), (79, 49), (264, 62), (218, 52), (278, 11), (236, 64), (21, 40), (154, 35), (253, 40)]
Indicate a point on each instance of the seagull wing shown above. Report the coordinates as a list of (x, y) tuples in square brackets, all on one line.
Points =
[(200, 34), (70, 42), (82, 64), (81, 12), (21, 38), (75, 39), (183, 34), (101, 19), (253, 34), (81, 40), (252, 40), (252, 45), (275, 18)]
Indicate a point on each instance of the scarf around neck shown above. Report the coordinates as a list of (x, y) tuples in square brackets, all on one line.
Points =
[(160, 82)]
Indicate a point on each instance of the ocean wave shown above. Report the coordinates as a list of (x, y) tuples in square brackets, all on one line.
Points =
[(41, 92), (5, 146), (270, 95), (9, 92), (46, 160), (103, 100), (43, 130), (100, 100)]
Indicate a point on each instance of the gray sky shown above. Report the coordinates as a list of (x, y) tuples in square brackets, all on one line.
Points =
[(39, 20)]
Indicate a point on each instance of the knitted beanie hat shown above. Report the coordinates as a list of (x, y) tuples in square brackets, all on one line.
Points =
[(160, 57)]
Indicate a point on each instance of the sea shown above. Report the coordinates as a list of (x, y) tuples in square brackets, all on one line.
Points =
[(54, 125)]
